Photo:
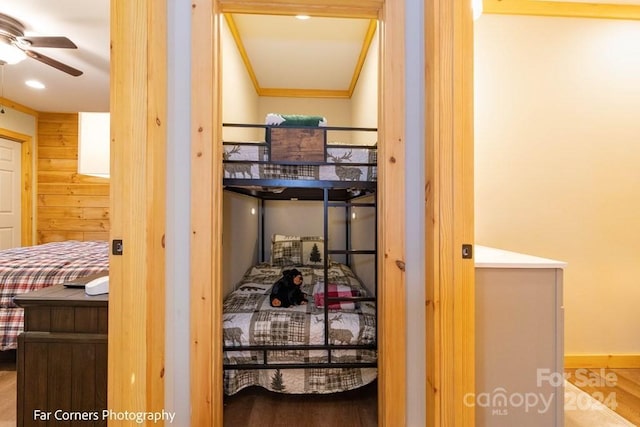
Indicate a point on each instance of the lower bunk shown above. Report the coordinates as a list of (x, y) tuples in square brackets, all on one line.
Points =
[(302, 349)]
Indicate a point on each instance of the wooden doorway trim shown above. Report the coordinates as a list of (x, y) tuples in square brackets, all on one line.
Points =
[(26, 183), (138, 103), (206, 196), (450, 323)]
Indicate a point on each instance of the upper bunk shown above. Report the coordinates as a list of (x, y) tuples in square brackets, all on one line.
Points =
[(295, 159)]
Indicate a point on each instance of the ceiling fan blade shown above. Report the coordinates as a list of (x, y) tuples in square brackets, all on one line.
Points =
[(46, 41), (53, 63)]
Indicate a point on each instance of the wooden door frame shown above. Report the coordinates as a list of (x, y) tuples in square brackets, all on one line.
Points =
[(138, 105), (206, 288), (137, 297), (450, 292), (26, 183)]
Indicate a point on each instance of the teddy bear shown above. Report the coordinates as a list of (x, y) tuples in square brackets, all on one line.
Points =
[(286, 291)]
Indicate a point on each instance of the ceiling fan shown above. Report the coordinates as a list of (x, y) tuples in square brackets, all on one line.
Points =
[(12, 34)]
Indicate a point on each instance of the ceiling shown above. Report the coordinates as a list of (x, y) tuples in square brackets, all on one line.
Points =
[(86, 23), (284, 55), (315, 57)]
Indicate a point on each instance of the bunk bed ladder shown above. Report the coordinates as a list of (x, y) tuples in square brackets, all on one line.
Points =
[(325, 279), (348, 251)]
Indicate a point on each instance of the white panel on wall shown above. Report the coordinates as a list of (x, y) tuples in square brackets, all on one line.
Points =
[(556, 161), (364, 101), (303, 218), (239, 98), (239, 237), (363, 233)]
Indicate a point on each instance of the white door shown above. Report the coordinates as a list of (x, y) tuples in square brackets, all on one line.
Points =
[(10, 177)]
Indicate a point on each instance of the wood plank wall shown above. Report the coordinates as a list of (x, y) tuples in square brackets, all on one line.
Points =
[(70, 206)]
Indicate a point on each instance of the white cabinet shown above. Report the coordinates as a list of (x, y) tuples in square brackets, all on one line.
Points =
[(519, 340)]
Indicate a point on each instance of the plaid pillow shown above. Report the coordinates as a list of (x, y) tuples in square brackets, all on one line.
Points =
[(312, 251), (296, 250), (286, 252)]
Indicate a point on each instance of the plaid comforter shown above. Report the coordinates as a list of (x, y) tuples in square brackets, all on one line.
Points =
[(30, 268), (242, 157), (249, 319)]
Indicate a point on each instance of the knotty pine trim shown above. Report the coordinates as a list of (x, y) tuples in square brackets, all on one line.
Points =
[(561, 9), (18, 107), (368, 38), (392, 346), (138, 102), (301, 93), (321, 8), (450, 293), (602, 361), (206, 217), (206, 288)]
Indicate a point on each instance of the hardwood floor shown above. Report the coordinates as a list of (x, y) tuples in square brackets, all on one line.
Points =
[(618, 389), (258, 407), (8, 387)]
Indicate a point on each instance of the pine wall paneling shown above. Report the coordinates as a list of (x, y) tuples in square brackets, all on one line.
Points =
[(70, 206)]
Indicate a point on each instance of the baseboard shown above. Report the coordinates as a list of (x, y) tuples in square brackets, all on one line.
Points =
[(602, 361)]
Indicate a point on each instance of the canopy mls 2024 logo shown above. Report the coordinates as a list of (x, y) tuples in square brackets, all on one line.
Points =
[(549, 384)]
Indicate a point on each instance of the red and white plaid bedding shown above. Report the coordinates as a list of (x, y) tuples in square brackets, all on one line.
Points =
[(335, 290), (30, 268)]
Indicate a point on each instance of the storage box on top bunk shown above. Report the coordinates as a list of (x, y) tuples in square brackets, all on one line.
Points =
[(296, 138), (297, 145)]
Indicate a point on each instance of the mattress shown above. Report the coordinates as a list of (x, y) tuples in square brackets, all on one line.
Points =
[(251, 161), (30, 268), (249, 319)]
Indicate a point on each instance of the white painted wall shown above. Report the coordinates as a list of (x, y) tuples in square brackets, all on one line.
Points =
[(239, 237), (363, 234), (303, 218), (556, 162), (239, 97), (336, 111), (178, 234), (416, 388), (18, 121), (364, 101)]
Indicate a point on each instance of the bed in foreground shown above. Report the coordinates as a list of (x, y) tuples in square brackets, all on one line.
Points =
[(30, 268), (284, 345)]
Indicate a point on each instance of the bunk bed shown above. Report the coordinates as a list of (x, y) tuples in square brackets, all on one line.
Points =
[(329, 344), (30, 268)]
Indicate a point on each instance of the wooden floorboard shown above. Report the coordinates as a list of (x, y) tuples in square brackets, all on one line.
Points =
[(8, 387), (256, 406), (618, 389)]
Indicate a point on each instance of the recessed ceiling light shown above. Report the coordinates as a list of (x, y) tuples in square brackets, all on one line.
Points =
[(34, 84), (303, 17)]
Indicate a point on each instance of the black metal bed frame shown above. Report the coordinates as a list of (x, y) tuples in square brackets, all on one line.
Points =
[(333, 194)]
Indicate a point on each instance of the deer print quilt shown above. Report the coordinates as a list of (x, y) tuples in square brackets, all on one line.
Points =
[(250, 320), (250, 161)]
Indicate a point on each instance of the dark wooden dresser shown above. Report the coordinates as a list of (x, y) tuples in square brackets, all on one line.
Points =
[(62, 358)]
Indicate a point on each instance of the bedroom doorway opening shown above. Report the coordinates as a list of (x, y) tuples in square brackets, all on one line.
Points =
[(16, 223), (342, 95), (207, 200), (10, 173)]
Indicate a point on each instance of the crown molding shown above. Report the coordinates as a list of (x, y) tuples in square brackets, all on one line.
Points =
[(561, 9)]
